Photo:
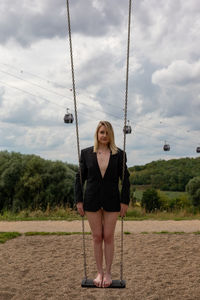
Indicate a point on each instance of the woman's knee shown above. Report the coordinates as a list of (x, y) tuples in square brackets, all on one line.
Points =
[(108, 238), (97, 238)]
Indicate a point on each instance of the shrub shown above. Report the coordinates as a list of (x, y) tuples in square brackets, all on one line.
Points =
[(193, 189), (132, 195), (151, 200)]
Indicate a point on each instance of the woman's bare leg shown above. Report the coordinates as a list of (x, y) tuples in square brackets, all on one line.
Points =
[(110, 219), (95, 222)]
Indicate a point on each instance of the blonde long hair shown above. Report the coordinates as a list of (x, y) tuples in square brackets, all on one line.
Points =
[(111, 144)]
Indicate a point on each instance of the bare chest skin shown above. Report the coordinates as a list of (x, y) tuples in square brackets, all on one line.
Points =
[(103, 160)]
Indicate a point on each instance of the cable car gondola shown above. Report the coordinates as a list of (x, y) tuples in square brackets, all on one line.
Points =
[(198, 150), (127, 129), (68, 118), (166, 147)]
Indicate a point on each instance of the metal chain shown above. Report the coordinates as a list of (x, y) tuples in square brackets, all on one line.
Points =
[(125, 122), (77, 132)]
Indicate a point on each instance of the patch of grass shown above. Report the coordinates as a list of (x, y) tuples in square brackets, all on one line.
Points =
[(127, 232), (32, 233), (173, 194), (5, 236), (138, 195), (135, 213), (168, 232), (57, 214), (161, 232), (139, 214)]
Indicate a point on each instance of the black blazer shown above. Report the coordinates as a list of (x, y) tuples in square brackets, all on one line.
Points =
[(102, 191)]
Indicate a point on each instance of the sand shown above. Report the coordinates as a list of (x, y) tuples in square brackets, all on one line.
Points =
[(76, 226), (156, 266)]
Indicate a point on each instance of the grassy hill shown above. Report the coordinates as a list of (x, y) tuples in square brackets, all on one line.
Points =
[(171, 175)]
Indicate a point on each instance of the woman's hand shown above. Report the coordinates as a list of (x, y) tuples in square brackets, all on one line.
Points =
[(80, 209), (123, 210)]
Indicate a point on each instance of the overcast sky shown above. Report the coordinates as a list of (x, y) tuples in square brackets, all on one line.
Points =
[(164, 76)]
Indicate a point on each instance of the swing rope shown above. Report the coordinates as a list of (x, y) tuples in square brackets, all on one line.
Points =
[(77, 131), (125, 123)]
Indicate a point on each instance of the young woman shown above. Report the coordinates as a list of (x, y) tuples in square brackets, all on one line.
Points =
[(101, 167)]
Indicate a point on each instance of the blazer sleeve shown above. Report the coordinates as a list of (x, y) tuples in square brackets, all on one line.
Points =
[(125, 192), (78, 186)]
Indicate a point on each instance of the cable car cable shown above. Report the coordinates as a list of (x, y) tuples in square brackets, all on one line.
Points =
[(58, 105), (30, 73), (117, 117), (37, 96), (32, 83)]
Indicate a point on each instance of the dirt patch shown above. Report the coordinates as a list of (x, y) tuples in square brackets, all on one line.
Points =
[(131, 226), (51, 267)]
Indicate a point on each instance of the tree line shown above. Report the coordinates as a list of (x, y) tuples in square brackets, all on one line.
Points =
[(152, 200), (171, 175), (31, 182)]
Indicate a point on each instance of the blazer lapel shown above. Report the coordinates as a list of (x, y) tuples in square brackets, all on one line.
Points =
[(110, 165), (96, 165)]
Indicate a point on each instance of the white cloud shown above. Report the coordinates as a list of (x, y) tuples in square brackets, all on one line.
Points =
[(166, 31), (35, 76), (178, 74)]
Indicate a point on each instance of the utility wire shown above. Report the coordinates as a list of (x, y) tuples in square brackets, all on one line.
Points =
[(30, 73), (32, 83), (117, 117)]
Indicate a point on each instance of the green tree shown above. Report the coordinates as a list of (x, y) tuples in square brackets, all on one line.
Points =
[(150, 200), (193, 189), (170, 175), (28, 181), (8, 183)]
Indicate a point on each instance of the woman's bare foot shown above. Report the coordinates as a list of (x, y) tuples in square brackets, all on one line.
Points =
[(98, 280), (107, 280)]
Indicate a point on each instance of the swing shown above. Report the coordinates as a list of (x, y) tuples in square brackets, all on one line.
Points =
[(88, 283)]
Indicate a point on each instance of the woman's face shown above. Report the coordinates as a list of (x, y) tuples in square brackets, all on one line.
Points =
[(103, 136)]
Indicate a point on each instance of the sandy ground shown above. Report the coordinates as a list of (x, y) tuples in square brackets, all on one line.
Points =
[(131, 226), (51, 267)]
